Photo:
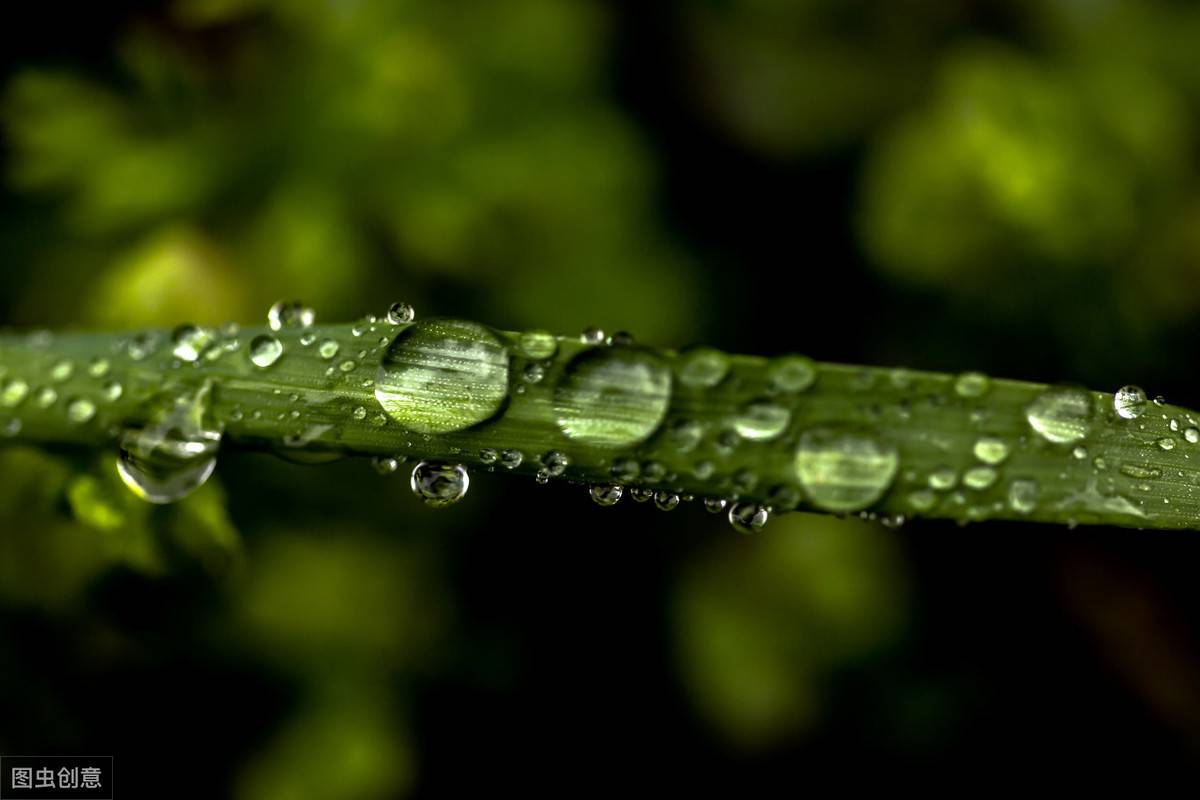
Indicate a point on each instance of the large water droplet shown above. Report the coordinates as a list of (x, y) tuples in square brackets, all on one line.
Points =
[(1061, 414), (1129, 402), (762, 420), (844, 470), (174, 454), (265, 350), (748, 518), (612, 397), (443, 375), (439, 484), (290, 314), (189, 342), (401, 314), (702, 367)]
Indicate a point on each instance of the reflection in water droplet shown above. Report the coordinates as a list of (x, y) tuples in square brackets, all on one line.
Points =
[(175, 453), (511, 459), (762, 421), (556, 463), (592, 336), (612, 397), (943, 479), (189, 342), (606, 494), (702, 367), (265, 350), (666, 501), (538, 345), (385, 465), (81, 410), (142, 346), (748, 518), (1061, 414), (534, 373), (641, 494), (715, 505), (401, 314), (439, 484), (844, 470), (293, 314), (791, 374), (1129, 402), (443, 375)]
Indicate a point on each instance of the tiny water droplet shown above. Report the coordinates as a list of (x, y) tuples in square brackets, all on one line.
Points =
[(592, 336), (556, 463), (81, 410), (991, 450), (265, 350), (1129, 402), (385, 465), (439, 484), (488, 456), (621, 339), (702, 367), (612, 397), (844, 470), (142, 346), (1061, 414), (762, 421), (1192, 435), (400, 314), (625, 469), (715, 505), (290, 314), (534, 373), (537, 345), (1080, 452), (971, 384), (440, 376), (349, 365), (606, 494), (922, 500), (685, 434), (791, 374), (511, 459), (748, 518)]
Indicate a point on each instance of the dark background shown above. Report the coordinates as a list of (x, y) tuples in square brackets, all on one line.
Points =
[(1006, 187)]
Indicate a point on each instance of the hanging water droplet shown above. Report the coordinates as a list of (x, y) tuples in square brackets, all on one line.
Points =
[(511, 459), (265, 350), (715, 505), (400, 314), (748, 518), (189, 342), (762, 421), (439, 484), (538, 345), (81, 410), (1061, 414), (592, 336), (702, 367), (991, 449), (666, 501), (791, 374), (62, 371), (45, 397), (606, 494), (175, 453), (440, 376), (971, 384), (290, 314), (612, 397), (979, 478), (385, 465), (641, 494), (556, 463), (844, 470), (1022, 496), (1129, 402), (98, 367), (14, 392)]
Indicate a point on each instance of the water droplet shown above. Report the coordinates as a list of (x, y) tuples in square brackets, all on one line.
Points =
[(971, 384), (844, 470), (174, 454), (592, 336), (652, 471), (685, 434), (401, 314), (1141, 472), (511, 459), (142, 346), (189, 342), (612, 397), (625, 469), (440, 376), (1061, 414), (265, 350), (439, 484), (14, 392), (702, 367), (307, 339), (762, 421), (621, 339), (1192, 435), (715, 505), (1022, 496), (979, 478), (748, 518), (922, 500), (61, 371), (538, 345), (45, 397), (349, 365), (293, 314), (488, 456), (1080, 452), (534, 373), (991, 450), (666, 501), (1166, 444), (704, 469), (641, 494), (112, 391), (327, 349), (359, 413), (943, 479), (12, 427), (1129, 402), (81, 410), (606, 494), (98, 367), (556, 463), (791, 374), (385, 465)]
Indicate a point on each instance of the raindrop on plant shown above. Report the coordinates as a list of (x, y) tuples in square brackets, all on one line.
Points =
[(1022, 496), (290, 314), (666, 501), (791, 374), (440, 376), (62, 371), (385, 465), (401, 314), (265, 350), (606, 494), (98, 367), (1129, 402), (112, 391), (702, 367), (762, 421), (971, 384), (81, 410), (13, 393), (991, 449), (439, 484), (979, 478), (1061, 414), (943, 479), (592, 336), (537, 345), (715, 505), (511, 459), (189, 342), (327, 349), (45, 397), (844, 470), (612, 397), (174, 453), (556, 463)]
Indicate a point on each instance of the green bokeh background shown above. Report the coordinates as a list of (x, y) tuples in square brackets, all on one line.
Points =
[(1002, 186)]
